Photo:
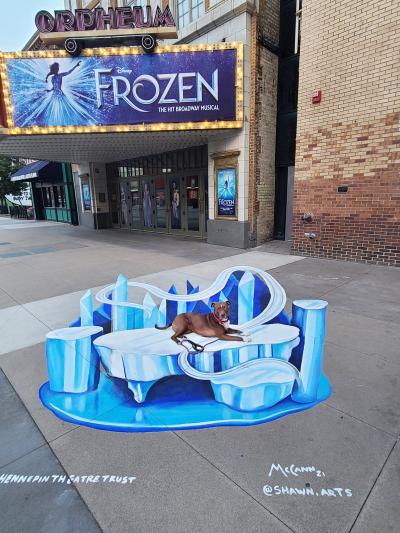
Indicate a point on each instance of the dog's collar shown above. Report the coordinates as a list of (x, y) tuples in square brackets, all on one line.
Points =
[(218, 320)]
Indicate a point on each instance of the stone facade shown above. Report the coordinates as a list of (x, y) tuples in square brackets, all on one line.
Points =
[(246, 21), (351, 139), (263, 101)]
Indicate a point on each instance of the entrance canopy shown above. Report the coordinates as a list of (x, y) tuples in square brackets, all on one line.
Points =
[(103, 147), (113, 104), (29, 172)]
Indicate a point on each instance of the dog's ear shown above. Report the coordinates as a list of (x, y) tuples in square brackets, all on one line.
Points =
[(228, 302), (213, 305)]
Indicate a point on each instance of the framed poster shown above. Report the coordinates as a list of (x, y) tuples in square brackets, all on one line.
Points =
[(86, 195), (226, 193)]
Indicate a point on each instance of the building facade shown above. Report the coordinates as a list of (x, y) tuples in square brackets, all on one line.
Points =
[(173, 175), (347, 156), (309, 155), (51, 190)]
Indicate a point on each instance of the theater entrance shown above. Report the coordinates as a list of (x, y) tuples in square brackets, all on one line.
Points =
[(166, 193)]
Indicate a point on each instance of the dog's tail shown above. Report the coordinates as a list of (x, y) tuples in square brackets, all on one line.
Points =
[(163, 327)]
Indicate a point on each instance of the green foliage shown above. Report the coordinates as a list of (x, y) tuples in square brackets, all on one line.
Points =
[(9, 165)]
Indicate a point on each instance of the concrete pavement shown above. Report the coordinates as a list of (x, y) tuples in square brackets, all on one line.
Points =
[(211, 480)]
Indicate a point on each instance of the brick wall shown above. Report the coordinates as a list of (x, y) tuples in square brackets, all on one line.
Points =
[(263, 94), (350, 50)]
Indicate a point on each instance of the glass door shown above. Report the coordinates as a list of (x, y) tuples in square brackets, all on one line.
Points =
[(204, 204), (124, 204), (177, 197), (136, 204), (113, 202), (193, 199), (161, 208), (147, 195)]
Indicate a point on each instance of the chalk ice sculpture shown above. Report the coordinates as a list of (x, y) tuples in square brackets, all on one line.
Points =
[(112, 369)]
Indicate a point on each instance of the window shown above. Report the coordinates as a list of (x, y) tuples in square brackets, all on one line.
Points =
[(57, 199), (189, 11), (46, 197), (52, 201), (61, 196), (299, 6), (139, 3)]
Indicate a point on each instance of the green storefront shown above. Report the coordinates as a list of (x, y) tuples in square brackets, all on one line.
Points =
[(53, 193)]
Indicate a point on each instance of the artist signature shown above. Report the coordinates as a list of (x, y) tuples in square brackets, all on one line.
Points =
[(278, 490), (294, 470)]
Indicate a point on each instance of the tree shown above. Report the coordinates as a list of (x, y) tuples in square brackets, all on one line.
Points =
[(9, 165)]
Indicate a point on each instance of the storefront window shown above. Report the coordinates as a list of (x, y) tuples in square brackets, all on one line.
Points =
[(141, 3), (62, 196), (297, 39), (58, 198), (189, 11), (191, 158), (46, 196), (52, 198)]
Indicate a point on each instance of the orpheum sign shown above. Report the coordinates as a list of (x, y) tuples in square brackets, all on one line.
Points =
[(121, 25), (120, 18)]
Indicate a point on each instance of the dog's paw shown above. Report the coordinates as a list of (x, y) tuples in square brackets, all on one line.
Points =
[(246, 338)]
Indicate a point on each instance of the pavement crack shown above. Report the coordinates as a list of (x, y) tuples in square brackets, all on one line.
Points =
[(224, 474), (47, 443), (374, 355), (330, 406), (372, 487)]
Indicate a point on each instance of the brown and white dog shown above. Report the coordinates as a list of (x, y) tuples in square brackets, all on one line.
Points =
[(215, 324)]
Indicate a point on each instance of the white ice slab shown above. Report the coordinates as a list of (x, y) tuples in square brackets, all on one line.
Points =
[(151, 341)]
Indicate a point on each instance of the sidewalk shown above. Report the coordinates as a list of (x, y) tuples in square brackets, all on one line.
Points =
[(210, 480)]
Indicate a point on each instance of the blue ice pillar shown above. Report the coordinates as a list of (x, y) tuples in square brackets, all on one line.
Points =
[(120, 312), (190, 289), (86, 309), (162, 313), (222, 297), (246, 298), (230, 357), (73, 364), (182, 307), (309, 316), (150, 311), (135, 317)]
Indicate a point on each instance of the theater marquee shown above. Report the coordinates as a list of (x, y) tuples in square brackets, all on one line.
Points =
[(122, 89)]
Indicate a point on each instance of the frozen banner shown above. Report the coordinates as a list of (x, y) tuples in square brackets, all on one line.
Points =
[(226, 192), (184, 86)]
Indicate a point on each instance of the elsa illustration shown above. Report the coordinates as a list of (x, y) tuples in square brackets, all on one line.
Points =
[(175, 201), (57, 78), (147, 206)]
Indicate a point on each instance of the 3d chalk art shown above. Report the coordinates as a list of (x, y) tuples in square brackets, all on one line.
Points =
[(113, 370)]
